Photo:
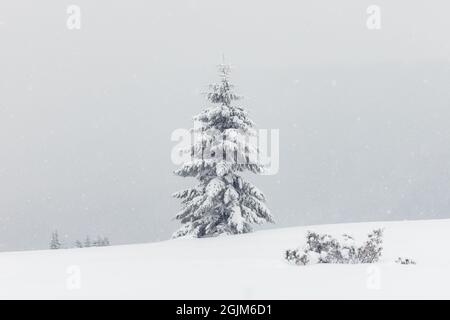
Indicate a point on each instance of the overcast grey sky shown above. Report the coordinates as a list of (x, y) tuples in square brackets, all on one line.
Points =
[(86, 115)]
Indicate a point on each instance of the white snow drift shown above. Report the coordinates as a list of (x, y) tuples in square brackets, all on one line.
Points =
[(248, 266)]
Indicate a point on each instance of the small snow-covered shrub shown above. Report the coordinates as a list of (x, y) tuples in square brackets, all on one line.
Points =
[(405, 261), (326, 249), (371, 250)]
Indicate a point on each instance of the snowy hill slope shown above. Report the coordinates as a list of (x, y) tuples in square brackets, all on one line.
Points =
[(236, 267)]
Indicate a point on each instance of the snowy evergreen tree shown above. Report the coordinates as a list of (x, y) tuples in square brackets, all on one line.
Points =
[(105, 242), (101, 242), (222, 202), (78, 244), (54, 242), (87, 242)]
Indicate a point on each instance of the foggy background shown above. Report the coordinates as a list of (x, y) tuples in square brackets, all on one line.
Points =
[(86, 115)]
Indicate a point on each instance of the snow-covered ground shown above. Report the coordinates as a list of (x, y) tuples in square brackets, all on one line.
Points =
[(236, 267)]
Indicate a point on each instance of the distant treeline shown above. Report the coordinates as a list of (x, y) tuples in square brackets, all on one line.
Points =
[(56, 243)]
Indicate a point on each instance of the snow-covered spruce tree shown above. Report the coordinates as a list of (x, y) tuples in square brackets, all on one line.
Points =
[(54, 242), (78, 244), (87, 242), (222, 202), (101, 242)]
